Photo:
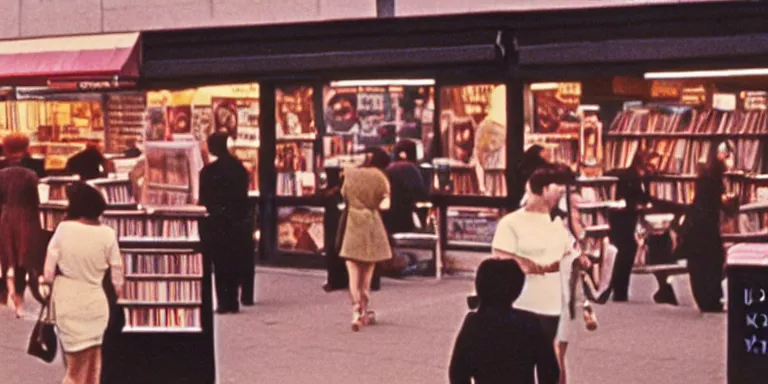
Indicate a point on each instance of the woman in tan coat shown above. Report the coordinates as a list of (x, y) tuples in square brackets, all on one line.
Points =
[(366, 191)]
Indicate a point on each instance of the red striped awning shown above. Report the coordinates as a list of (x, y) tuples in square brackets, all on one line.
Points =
[(34, 62)]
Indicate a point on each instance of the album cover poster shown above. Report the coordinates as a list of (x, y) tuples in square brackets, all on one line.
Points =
[(248, 120), (225, 115), (294, 112), (156, 124), (202, 122), (179, 119)]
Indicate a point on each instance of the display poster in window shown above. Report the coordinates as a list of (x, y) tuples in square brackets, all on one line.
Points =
[(179, 120), (248, 122), (295, 114), (556, 109), (590, 137), (377, 115), (156, 124), (473, 132), (300, 229), (167, 178), (202, 122), (225, 115)]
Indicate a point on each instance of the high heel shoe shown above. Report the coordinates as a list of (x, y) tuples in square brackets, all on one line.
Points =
[(357, 321), (590, 318)]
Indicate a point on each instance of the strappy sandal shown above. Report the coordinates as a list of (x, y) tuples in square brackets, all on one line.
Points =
[(590, 318)]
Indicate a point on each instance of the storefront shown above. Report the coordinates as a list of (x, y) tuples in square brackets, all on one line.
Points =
[(498, 83), (676, 86), (328, 90), (474, 91)]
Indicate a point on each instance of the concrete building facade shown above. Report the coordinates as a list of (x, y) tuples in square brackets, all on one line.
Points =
[(30, 18)]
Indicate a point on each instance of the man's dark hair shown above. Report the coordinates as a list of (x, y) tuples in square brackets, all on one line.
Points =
[(217, 144), (405, 150), (85, 202), (557, 173), (376, 157), (498, 283)]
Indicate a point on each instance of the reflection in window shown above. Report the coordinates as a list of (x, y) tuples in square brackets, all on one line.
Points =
[(473, 127), (359, 115), (295, 157)]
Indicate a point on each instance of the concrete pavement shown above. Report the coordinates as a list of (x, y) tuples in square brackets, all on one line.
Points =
[(299, 334)]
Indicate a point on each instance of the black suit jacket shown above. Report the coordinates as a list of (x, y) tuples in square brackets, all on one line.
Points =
[(635, 190)]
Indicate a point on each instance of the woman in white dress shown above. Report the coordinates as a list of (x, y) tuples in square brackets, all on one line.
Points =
[(79, 254)]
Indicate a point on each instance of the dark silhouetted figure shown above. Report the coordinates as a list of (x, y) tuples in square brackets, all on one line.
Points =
[(497, 343), (227, 232)]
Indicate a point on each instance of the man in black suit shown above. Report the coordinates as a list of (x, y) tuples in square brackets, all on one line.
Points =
[(88, 163), (227, 232), (634, 189)]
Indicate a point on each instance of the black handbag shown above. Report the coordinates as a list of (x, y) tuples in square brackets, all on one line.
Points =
[(43, 341)]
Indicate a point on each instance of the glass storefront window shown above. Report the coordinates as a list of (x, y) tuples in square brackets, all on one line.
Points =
[(296, 160), (362, 114), (473, 128)]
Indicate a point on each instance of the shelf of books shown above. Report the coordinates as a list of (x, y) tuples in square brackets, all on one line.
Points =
[(167, 302), (163, 290), (117, 191), (125, 115)]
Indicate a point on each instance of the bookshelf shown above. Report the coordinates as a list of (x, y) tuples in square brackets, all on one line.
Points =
[(164, 328), (117, 191), (685, 137), (163, 290), (124, 119)]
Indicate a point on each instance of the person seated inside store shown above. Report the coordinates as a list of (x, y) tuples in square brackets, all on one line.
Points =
[(132, 151), (89, 163)]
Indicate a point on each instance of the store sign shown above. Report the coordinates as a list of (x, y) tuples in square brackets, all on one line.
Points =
[(696, 95), (666, 89), (754, 100), (90, 85)]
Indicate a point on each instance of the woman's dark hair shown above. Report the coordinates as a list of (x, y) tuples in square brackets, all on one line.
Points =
[(217, 144), (555, 173), (85, 202), (498, 283), (407, 148), (376, 157)]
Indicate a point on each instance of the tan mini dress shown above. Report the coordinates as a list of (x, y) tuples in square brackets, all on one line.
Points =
[(365, 238)]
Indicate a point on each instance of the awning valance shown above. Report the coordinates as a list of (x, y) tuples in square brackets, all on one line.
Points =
[(34, 62)]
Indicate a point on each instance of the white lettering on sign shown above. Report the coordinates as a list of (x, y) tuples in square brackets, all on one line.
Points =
[(756, 346), (757, 320), (749, 296)]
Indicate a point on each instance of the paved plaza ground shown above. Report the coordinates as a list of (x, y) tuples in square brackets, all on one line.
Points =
[(299, 334)]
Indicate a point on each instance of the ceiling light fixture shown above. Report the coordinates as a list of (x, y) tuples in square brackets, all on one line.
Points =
[(706, 73)]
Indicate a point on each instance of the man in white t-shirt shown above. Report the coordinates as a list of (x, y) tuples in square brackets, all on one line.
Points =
[(538, 242)]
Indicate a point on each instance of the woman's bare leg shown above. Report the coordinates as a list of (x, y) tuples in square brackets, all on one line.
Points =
[(562, 347)]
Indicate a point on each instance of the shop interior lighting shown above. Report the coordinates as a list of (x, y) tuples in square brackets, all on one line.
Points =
[(544, 86), (707, 73), (382, 83), (589, 108)]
